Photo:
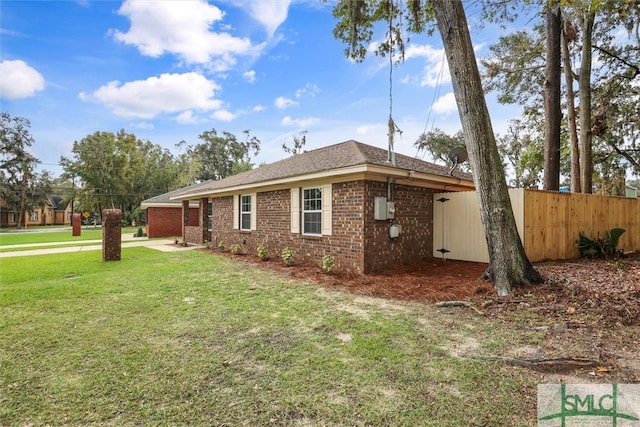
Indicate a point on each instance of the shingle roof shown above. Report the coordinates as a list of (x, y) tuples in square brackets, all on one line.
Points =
[(57, 202), (166, 197), (342, 155)]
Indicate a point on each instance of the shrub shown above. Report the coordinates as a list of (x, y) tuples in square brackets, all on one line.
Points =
[(207, 244), (236, 249), (262, 252), (601, 246), (139, 233), (287, 255), (221, 245), (327, 263)]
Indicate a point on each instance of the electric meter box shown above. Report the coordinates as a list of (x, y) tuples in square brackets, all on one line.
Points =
[(383, 209)]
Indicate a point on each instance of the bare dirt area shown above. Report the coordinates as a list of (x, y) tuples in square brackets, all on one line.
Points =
[(588, 310)]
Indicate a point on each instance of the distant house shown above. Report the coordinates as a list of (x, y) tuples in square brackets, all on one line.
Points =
[(366, 207), (164, 216), (56, 212)]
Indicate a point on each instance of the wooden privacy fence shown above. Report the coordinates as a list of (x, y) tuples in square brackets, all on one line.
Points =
[(548, 222)]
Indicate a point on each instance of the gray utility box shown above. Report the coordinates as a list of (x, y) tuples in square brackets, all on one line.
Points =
[(383, 209)]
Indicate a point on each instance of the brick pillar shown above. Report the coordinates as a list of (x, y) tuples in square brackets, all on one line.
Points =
[(204, 219), (111, 234), (185, 219), (76, 224)]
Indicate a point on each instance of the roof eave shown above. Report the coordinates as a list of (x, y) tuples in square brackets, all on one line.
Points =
[(438, 181)]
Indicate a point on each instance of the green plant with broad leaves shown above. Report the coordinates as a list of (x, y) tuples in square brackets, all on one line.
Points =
[(605, 246)]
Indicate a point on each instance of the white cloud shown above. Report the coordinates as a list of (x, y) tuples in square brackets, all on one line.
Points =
[(250, 76), (363, 130), (445, 104), (143, 125), (309, 90), (182, 28), (259, 108), (148, 98), (19, 80), (300, 123), (269, 13), (281, 102), (223, 115), (187, 118)]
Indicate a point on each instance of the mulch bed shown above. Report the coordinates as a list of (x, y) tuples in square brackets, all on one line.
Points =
[(607, 290)]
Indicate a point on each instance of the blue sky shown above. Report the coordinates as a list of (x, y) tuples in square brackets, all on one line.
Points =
[(170, 70)]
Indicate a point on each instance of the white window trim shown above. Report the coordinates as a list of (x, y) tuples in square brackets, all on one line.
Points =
[(243, 213), (326, 216), (237, 211)]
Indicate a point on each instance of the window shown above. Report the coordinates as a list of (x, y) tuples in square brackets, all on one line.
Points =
[(12, 217), (33, 216), (245, 213), (312, 211)]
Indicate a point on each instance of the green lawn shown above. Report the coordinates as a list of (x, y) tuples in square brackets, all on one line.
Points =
[(190, 338), (48, 237)]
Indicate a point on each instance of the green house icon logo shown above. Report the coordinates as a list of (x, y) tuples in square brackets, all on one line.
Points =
[(567, 405)]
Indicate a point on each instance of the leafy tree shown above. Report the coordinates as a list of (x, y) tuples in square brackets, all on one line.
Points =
[(220, 156), (16, 163), (118, 171), (439, 145), (587, 28), (38, 193), (523, 152), (298, 144), (356, 21)]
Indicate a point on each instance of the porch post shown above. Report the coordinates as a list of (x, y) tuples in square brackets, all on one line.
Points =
[(185, 219), (204, 219)]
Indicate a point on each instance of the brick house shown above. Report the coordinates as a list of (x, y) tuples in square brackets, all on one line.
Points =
[(164, 216), (366, 208)]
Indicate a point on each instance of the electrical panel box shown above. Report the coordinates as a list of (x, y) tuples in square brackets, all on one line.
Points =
[(380, 208)]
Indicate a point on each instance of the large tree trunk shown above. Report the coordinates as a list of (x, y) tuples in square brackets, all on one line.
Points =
[(552, 112), (509, 264), (584, 79), (571, 113)]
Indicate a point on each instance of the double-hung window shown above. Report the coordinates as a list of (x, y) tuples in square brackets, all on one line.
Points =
[(245, 212), (312, 211)]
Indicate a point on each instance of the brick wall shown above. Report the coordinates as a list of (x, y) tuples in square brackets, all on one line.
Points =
[(352, 222), (167, 222), (414, 213)]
